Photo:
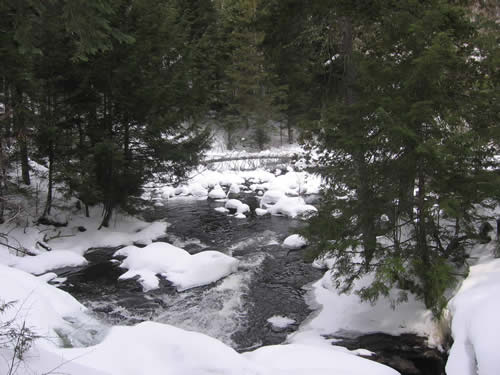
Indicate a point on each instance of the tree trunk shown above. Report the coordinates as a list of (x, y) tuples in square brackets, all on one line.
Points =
[(422, 247), (365, 189), (25, 168), (108, 212), (2, 180), (21, 136), (290, 131), (48, 203)]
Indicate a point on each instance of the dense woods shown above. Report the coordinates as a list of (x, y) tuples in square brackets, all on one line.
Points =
[(398, 98)]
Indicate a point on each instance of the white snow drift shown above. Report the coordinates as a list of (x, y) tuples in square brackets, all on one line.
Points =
[(476, 323), (148, 348), (184, 270)]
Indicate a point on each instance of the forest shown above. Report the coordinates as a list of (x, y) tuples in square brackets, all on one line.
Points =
[(394, 105)]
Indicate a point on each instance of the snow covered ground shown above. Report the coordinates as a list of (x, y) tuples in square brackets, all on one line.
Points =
[(151, 348), (147, 348), (155, 348), (474, 312), (69, 243)]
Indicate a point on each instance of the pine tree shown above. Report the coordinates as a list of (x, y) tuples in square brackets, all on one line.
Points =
[(403, 99), (248, 96)]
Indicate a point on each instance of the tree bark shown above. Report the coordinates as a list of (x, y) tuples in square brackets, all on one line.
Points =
[(21, 136), (48, 203)]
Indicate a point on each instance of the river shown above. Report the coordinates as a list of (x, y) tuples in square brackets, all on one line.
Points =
[(270, 280)]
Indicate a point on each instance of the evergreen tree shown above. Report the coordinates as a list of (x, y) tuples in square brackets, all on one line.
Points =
[(248, 96), (403, 100), (109, 91)]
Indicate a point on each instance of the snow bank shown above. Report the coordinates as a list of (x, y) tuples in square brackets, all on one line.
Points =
[(297, 359), (157, 349), (123, 230), (184, 270), (49, 261), (295, 241), (201, 181), (475, 318), (346, 312), (151, 348), (41, 306)]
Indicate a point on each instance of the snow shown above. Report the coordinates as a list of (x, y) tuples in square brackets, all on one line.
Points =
[(39, 305), (123, 230), (298, 359), (271, 197), (279, 321), (197, 190), (292, 207), (149, 348), (295, 241), (347, 313), (202, 180), (234, 189), (260, 211), (475, 322), (184, 270), (241, 208), (49, 261), (217, 193), (154, 348)]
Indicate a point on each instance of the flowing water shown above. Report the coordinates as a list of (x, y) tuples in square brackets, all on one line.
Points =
[(270, 281)]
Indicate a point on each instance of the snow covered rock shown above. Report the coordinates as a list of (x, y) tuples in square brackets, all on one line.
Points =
[(168, 192), (217, 193), (279, 322), (295, 241), (182, 190), (198, 191), (184, 270), (292, 207), (235, 204), (271, 197), (234, 189), (260, 212)]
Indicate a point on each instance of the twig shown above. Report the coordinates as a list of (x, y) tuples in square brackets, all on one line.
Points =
[(44, 246), (66, 362), (20, 250)]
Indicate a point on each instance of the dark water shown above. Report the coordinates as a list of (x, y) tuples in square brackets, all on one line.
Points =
[(269, 282)]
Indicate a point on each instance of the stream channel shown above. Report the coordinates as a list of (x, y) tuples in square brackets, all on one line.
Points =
[(270, 281)]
